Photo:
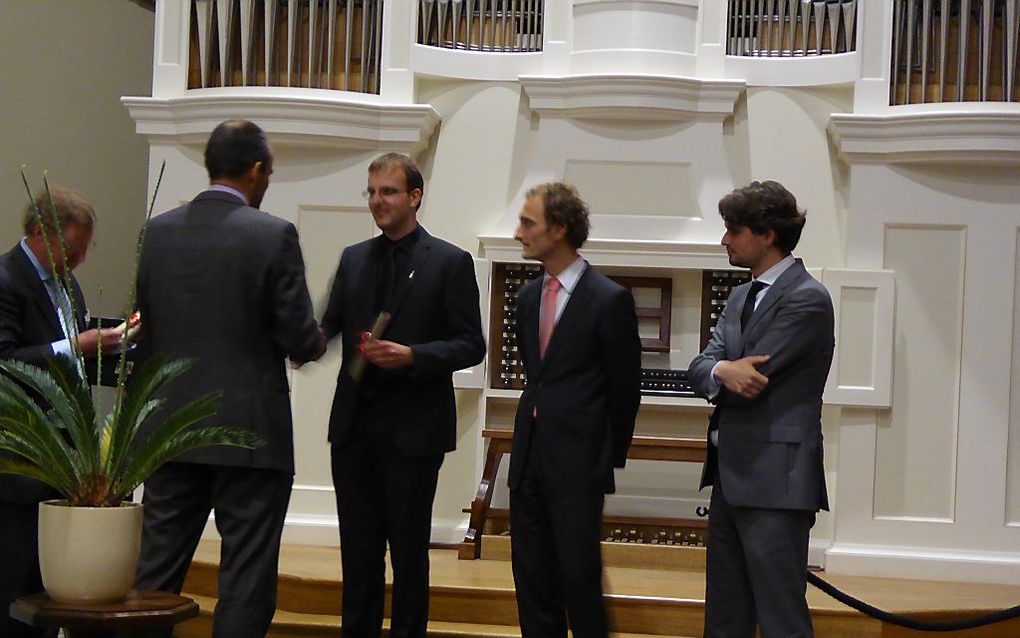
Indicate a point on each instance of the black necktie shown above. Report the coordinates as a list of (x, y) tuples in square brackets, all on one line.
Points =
[(748, 309)]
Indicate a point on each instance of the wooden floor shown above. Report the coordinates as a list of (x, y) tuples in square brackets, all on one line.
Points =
[(476, 598)]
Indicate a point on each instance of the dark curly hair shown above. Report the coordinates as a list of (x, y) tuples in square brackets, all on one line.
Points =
[(564, 207), (764, 206)]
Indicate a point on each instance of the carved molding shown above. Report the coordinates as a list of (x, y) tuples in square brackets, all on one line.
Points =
[(978, 136), (298, 120), (622, 252), (632, 97)]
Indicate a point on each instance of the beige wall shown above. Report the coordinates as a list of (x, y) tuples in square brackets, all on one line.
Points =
[(64, 67)]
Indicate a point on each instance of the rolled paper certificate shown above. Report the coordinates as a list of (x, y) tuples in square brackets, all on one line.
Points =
[(357, 369)]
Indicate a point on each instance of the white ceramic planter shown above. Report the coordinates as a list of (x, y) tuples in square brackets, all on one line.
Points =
[(89, 554)]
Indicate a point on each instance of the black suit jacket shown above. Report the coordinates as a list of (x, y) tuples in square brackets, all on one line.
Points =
[(770, 447), (587, 388), (224, 284), (28, 325), (436, 313)]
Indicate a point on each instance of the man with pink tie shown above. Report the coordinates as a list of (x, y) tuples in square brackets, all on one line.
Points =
[(578, 336)]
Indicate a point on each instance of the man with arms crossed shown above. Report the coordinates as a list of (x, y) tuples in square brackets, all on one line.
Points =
[(394, 416), (223, 283), (764, 369), (577, 333), (32, 330)]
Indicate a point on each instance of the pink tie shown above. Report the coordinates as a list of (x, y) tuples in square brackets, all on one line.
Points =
[(548, 315)]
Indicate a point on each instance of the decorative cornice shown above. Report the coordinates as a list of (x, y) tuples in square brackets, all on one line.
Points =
[(979, 136), (632, 97), (623, 252), (299, 120)]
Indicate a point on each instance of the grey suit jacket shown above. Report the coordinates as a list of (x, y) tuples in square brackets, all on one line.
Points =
[(224, 284), (770, 447)]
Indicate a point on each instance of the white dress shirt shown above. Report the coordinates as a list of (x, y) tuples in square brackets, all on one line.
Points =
[(568, 280)]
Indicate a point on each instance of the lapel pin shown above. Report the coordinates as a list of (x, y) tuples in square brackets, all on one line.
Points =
[(411, 275)]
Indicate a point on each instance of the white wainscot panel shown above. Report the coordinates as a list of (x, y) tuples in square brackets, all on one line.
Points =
[(863, 303), (916, 441)]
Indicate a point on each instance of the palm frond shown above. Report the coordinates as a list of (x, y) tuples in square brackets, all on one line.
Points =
[(21, 468), (22, 419), (77, 418), (188, 442), (163, 437)]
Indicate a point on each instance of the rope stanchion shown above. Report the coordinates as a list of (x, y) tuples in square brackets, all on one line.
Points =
[(912, 623)]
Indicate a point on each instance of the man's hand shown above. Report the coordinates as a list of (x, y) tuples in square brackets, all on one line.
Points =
[(741, 377), (386, 354), (320, 350), (88, 341)]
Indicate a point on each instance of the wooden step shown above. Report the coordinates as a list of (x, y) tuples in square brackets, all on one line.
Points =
[(633, 555), (477, 596), (294, 625)]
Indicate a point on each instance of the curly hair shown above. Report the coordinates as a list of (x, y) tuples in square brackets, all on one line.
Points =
[(564, 207), (764, 206)]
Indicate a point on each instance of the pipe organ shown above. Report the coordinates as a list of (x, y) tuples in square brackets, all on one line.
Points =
[(316, 44), (513, 26), (791, 27), (954, 51)]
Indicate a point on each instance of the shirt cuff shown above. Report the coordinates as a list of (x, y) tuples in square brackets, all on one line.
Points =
[(62, 347), (713, 384)]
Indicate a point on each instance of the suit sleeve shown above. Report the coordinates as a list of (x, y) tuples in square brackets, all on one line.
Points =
[(464, 345), (294, 327), (333, 319), (699, 371), (621, 352), (802, 326), (12, 305)]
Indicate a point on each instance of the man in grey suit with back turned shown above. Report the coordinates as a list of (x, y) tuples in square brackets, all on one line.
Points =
[(222, 283), (764, 369)]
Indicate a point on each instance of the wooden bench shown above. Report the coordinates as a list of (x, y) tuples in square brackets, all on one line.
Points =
[(646, 448)]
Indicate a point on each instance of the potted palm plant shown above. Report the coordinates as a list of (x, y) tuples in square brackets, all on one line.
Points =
[(51, 431)]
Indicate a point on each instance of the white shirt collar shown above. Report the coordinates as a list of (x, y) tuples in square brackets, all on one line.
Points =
[(570, 275), (44, 275), (770, 276)]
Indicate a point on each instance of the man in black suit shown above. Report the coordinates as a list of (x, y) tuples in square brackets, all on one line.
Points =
[(223, 284), (394, 416), (577, 333), (765, 369), (33, 328)]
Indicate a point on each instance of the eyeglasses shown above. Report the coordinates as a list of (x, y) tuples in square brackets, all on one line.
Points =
[(385, 192)]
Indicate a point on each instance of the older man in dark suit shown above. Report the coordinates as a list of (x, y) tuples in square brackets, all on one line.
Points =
[(765, 369), (394, 415), (223, 283), (578, 337), (36, 318)]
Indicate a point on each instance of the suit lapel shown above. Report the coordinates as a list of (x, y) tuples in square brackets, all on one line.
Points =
[(775, 292), (576, 305), (366, 285), (527, 305), (40, 296)]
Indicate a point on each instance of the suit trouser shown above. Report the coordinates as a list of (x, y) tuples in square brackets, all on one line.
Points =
[(557, 557), (756, 570), (250, 505), (384, 497), (19, 566)]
